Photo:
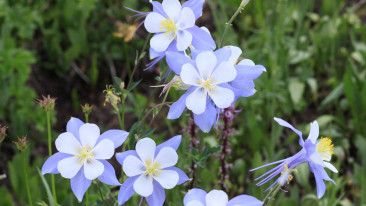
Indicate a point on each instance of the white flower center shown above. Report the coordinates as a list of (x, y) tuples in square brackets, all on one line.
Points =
[(84, 154), (152, 168), (208, 84), (170, 28)]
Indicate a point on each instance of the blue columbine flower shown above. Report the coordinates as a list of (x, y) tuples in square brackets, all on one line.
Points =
[(199, 197), (82, 155), (215, 80), (174, 27), (150, 169), (317, 153)]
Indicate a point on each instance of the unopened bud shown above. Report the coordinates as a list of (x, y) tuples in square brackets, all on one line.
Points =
[(2, 133), (47, 103), (21, 143), (87, 108)]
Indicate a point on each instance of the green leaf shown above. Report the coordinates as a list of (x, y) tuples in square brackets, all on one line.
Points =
[(335, 94), (296, 88), (46, 186), (134, 84)]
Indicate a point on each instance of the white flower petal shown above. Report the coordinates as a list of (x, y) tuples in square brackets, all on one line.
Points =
[(184, 39), (160, 42), (206, 62), (216, 198), (69, 167), (172, 8), (225, 72), (104, 149), (167, 157), (93, 169), (235, 54), (314, 131), (152, 22), (67, 143), (331, 167), (196, 101), (246, 62), (132, 166), (222, 97), (143, 186), (189, 75), (89, 134), (145, 148), (187, 18), (194, 203), (317, 159), (167, 178)]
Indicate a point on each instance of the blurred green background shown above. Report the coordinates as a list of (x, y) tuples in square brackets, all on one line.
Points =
[(314, 52)]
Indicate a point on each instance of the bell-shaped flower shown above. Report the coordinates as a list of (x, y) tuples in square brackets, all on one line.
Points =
[(317, 153), (216, 82), (150, 169), (174, 28), (82, 155), (199, 197)]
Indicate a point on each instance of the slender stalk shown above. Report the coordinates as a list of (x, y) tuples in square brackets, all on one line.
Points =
[(53, 185), (120, 119), (86, 198), (100, 193), (123, 114), (271, 195), (86, 118), (26, 178), (240, 8)]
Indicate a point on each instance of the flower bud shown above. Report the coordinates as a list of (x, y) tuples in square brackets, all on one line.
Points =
[(112, 97), (47, 103), (2, 133), (21, 143), (87, 108)]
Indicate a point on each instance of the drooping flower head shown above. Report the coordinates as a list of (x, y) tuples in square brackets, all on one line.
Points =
[(215, 80), (174, 28), (317, 153), (150, 169), (199, 197), (82, 154)]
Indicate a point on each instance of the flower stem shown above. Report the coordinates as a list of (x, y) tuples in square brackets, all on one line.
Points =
[(271, 195), (86, 198), (120, 117), (100, 193), (86, 118), (240, 8), (26, 178), (50, 153)]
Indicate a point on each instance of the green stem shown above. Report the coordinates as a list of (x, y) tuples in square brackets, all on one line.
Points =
[(86, 118), (120, 119), (100, 193), (86, 198), (271, 195), (123, 114), (26, 178), (53, 185), (241, 7)]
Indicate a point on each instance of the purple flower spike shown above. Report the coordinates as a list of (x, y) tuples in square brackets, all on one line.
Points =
[(317, 153), (151, 170), (198, 197), (82, 155)]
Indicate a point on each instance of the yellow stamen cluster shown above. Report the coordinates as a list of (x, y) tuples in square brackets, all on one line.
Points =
[(152, 169), (325, 147), (208, 84), (170, 27), (84, 154), (287, 172), (112, 97)]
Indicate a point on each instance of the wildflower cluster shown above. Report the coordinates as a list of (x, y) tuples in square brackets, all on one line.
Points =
[(213, 80)]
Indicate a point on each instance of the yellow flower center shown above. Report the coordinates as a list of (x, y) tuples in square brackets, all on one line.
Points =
[(170, 27), (325, 147), (152, 169), (84, 154), (208, 84)]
